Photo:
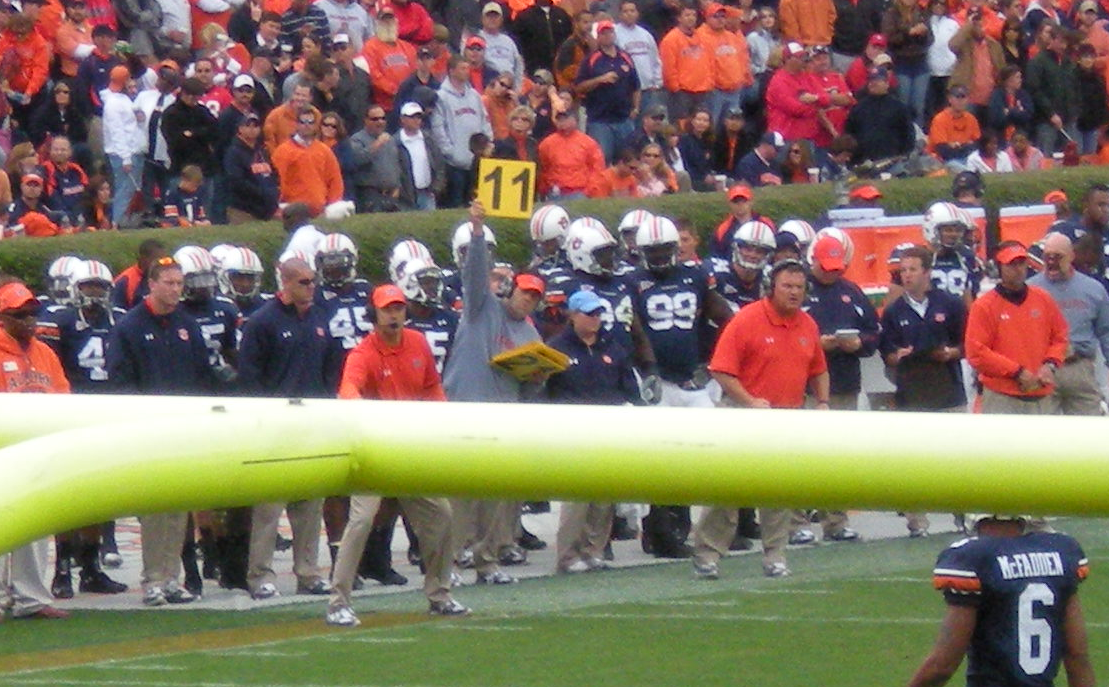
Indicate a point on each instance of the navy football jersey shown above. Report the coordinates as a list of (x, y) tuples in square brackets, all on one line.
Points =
[(956, 270), (438, 329), (80, 343), (731, 288), (550, 264), (616, 295), (249, 306), (1020, 586), (669, 308), (219, 321), (346, 312)]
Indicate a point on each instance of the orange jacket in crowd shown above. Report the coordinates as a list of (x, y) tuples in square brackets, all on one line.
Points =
[(731, 63), (809, 22), (609, 184), (70, 37), (27, 73), (1003, 337), (947, 128), (35, 370), (686, 62), (308, 174), (281, 124), (568, 161), (50, 20), (38, 225), (389, 65), (498, 109), (992, 22)]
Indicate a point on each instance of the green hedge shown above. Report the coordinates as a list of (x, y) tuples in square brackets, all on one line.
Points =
[(28, 257)]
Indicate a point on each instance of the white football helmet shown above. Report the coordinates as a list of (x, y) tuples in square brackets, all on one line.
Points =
[(220, 251), (337, 260), (590, 248), (657, 239), (199, 270), (753, 245), (59, 277), (839, 235), (549, 223), (942, 214), (893, 262), (422, 282), (239, 272), (973, 520), (461, 241), (629, 225), (802, 230), (402, 252), (91, 273)]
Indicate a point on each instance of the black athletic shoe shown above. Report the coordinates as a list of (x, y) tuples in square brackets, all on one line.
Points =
[(62, 586), (530, 542), (99, 583), (388, 578)]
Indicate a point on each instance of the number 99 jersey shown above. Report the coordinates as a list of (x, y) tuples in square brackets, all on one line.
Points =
[(1020, 586), (669, 307)]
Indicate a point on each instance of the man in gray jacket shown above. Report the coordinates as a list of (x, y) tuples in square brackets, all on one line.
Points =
[(377, 173), (458, 115), (490, 325), (423, 171)]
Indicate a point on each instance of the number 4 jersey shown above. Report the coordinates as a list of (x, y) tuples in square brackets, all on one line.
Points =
[(1020, 586)]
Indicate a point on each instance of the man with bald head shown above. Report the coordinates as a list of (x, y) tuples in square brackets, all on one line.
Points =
[(1085, 305), (287, 352)]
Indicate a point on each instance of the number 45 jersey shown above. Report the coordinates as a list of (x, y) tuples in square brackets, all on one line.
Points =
[(1020, 586)]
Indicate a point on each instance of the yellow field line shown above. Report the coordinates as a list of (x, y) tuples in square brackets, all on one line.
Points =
[(197, 641)]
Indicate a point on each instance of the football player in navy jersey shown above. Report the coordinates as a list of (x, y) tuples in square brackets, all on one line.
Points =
[(78, 333), (626, 233), (422, 284), (342, 295), (1012, 608), (955, 268), (217, 316), (548, 233), (739, 278), (239, 273)]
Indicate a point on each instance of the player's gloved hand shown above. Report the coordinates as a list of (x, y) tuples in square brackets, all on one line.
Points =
[(650, 389), (226, 374)]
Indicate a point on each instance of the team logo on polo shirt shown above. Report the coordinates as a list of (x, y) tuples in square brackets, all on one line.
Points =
[(183, 334), (940, 317), (319, 331), (845, 298), (1035, 312), (606, 359)]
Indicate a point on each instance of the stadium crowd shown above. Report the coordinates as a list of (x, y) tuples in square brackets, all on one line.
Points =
[(168, 112), (643, 316)]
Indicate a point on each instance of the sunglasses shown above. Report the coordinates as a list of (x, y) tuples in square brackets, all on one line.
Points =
[(376, 119), (308, 122), (475, 47), (330, 125), (651, 155), (306, 282), (415, 115)]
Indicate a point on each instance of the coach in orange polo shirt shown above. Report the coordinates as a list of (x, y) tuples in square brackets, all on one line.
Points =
[(766, 357)]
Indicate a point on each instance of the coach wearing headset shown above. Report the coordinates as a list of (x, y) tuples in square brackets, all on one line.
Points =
[(766, 357)]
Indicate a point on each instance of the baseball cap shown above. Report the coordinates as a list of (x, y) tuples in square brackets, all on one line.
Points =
[(828, 253), (715, 8), (1011, 253), (1088, 6), (243, 81), (475, 41), (386, 295), (877, 40), (169, 64), (877, 74), (423, 53), (786, 239), (250, 117), (603, 25), (530, 282), (492, 7), (865, 192), (31, 178), (739, 191), (773, 138), (793, 49), (543, 77), (16, 296), (585, 302), (409, 109), (1056, 196), (340, 39)]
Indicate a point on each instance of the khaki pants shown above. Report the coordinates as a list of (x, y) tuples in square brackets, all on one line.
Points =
[(23, 583), (163, 536), (774, 527), (1076, 390), (994, 403), (485, 527), (583, 530), (430, 518), (714, 532), (306, 519)]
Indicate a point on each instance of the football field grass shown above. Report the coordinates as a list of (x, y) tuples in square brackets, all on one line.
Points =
[(851, 615)]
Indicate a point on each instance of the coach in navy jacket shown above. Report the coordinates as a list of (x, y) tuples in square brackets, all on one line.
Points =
[(600, 370)]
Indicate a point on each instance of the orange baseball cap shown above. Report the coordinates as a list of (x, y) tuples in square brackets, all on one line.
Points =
[(1011, 253), (386, 295), (739, 191), (1056, 196), (829, 254), (866, 192), (16, 296), (530, 282)]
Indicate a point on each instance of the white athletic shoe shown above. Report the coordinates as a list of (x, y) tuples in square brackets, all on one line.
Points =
[(343, 616)]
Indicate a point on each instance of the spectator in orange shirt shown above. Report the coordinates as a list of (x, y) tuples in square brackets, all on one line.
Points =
[(25, 65), (390, 59), (809, 22), (74, 40), (620, 180), (307, 170), (568, 160), (731, 62), (281, 122), (500, 100), (954, 132), (687, 65)]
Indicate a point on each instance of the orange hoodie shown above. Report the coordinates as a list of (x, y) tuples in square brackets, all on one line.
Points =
[(730, 60), (569, 161), (308, 174), (809, 22), (35, 370), (389, 65), (280, 125), (28, 71), (70, 36), (952, 130), (686, 62)]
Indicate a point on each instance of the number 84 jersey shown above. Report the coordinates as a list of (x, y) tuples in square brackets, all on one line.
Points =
[(1020, 586)]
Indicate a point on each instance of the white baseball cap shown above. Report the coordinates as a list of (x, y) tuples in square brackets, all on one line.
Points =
[(409, 109), (242, 80)]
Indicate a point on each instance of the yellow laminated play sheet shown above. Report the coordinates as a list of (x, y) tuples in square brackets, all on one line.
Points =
[(524, 362)]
